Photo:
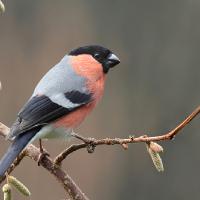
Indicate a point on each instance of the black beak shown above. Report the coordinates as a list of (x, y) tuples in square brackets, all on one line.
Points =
[(111, 61)]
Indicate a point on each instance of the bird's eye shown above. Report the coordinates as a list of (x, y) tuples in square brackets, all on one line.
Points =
[(97, 56)]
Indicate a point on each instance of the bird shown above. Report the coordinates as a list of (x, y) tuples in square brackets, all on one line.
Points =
[(61, 100)]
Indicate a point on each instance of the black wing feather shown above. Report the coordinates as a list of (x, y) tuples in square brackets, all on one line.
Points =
[(77, 97), (40, 110)]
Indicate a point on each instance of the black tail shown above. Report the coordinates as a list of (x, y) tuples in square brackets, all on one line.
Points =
[(14, 150)]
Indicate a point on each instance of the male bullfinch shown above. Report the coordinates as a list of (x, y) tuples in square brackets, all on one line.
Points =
[(61, 100)]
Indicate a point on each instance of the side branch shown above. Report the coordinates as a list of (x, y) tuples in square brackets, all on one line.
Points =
[(92, 142)]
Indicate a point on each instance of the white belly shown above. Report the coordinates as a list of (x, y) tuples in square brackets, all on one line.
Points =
[(49, 132)]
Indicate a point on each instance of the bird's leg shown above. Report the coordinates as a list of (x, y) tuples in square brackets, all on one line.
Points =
[(77, 136), (43, 153), (41, 147), (85, 140), (89, 141)]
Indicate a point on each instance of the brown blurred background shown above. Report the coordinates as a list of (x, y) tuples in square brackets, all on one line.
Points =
[(154, 88)]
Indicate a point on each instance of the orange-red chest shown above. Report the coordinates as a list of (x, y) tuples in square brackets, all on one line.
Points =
[(85, 66)]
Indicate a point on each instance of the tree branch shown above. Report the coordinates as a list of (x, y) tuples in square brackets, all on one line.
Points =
[(63, 178), (91, 143)]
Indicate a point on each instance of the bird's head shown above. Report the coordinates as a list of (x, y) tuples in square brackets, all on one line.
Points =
[(100, 54)]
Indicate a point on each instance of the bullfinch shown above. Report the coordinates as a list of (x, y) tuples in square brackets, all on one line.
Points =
[(61, 100)]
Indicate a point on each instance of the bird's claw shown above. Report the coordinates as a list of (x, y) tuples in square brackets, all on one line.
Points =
[(41, 156)]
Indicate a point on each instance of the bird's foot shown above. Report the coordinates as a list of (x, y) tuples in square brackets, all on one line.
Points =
[(41, 156), (43, 153)]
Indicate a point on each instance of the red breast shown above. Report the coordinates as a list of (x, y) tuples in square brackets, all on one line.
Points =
[(86, 66)]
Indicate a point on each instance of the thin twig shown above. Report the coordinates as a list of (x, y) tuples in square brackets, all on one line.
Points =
[(108, 141), (58, 160)]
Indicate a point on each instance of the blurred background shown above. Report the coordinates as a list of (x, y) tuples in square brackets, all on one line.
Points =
[(151, 91)]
